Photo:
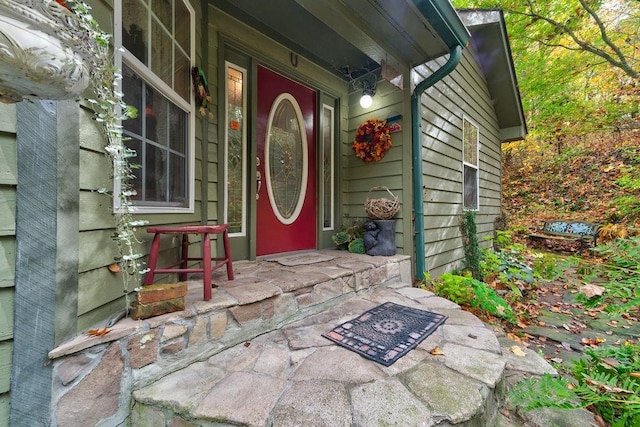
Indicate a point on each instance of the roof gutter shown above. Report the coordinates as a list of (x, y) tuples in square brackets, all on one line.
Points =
[(416, 153)]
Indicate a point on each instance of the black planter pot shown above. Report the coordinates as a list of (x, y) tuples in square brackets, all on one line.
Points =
[(380, 237)]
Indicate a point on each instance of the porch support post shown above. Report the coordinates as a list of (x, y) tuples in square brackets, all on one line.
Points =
[(46, 280)]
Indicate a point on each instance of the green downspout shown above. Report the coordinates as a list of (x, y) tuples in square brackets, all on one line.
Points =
[(416, 147)]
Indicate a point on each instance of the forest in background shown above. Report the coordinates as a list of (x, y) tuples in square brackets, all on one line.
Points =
[(578, 69)]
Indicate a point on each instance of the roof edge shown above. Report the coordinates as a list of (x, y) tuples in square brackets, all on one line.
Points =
[(445, 20)]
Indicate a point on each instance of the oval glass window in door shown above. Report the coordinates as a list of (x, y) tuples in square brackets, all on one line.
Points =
[(286, 160)]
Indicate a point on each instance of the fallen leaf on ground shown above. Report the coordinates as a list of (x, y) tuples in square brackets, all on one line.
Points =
[(514, 337), (98, 332), (604, 387), (611, 361), (436, 351), (589, 290), (517, 351), (592, 341)]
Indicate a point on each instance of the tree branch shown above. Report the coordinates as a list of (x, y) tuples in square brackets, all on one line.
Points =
[(618, 61)]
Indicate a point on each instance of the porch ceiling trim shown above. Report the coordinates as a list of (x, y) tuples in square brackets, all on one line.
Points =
[(354, 37)]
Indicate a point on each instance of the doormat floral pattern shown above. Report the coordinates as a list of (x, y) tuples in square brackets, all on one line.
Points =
[(387, 332)]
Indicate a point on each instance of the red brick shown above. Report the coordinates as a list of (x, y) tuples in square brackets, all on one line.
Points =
[(161, 292), (144, 311)]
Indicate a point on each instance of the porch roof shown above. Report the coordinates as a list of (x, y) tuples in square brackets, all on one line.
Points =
[(491, 41), (354, 37)]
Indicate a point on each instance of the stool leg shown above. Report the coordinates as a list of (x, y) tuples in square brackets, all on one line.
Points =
[(184, 261), (153, 259), (206, 266), (227, 255)]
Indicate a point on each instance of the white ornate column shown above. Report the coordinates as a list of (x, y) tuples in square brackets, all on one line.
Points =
[(43, 52)]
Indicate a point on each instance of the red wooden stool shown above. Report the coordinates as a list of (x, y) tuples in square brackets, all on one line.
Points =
[(182, 266)]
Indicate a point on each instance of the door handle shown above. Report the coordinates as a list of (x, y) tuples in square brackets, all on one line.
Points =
[(258, 178)]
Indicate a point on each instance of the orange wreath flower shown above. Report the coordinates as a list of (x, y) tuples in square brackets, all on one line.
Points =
[(372, 140)]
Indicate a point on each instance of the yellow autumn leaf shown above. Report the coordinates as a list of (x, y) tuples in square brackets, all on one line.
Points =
[(436, 351), (517, 351)]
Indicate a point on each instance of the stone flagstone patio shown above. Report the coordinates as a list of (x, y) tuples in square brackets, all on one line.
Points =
[(254, 356)]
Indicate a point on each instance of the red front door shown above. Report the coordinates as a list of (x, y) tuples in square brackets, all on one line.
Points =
[(286, 205)]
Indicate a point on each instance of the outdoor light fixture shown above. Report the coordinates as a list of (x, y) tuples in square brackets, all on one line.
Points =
[(368, 90)]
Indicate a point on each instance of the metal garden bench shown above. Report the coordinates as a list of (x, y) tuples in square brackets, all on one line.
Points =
[(586, 233)]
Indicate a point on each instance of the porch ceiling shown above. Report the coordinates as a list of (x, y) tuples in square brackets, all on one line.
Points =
[(354, 37)]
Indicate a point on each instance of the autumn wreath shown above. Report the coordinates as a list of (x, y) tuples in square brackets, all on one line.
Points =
[(372, 140)]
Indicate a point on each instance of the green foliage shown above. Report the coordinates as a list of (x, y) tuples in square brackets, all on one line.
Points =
[(341, 239), (350, 237), (620, 275), (467, 291), (576, 64), (605, 379), (110, 110), (507, 264), (549, 266), (471, 245), (356, 246)]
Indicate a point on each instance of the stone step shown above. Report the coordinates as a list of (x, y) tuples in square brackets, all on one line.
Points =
[(265, 296), (294, 376)]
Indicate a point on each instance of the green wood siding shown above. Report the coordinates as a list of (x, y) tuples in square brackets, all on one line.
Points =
[(6, 349), (100, 291), (8, 182), (225, 32), (393, 171), (463, 92)]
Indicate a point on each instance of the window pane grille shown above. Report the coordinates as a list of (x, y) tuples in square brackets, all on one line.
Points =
[(470, 146), (156, 64), (159, 136)]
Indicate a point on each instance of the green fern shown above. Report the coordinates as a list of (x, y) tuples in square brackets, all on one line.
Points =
[(605, 379), (544, 392)]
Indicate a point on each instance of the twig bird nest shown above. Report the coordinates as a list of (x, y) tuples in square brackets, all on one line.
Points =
[(382, 208)]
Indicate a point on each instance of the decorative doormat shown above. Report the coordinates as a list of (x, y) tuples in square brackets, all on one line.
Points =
[(387, 332), (302, 259)]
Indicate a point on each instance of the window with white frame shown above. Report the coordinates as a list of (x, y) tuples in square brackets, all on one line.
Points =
[(157, 40), (470, 149)]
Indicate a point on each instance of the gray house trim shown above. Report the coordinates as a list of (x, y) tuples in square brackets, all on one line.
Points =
[(491, 43), (45, 310)]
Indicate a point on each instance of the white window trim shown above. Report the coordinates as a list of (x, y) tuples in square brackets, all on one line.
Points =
[(189, 107), (476, 167), (243, 229), (332, 154)]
